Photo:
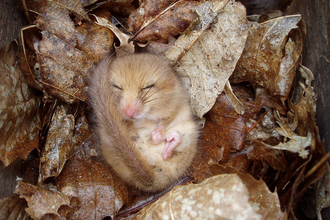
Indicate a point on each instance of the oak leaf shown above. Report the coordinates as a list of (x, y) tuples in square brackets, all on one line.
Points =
[(207, 53), (219, 197), (19, 121)]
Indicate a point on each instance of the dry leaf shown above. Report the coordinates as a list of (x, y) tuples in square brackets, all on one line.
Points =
[(263, 62), (66, 51), (13, 208), (58, 145), (322, 189), (219, 197), (297, 144), (98, 192), (126, 47), (157, 20), (41, 201), (231, 129), (263, 202), (275, 158), (205, 57), (19, 121)]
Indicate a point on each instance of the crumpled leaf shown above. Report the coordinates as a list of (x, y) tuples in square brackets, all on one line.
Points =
[(19, 121), (13, 208), (297, 144), (58, 145), (66, 51), (41, 201), (206, 57), (263, 202), (275, 158), (219, 197), (98, 192), (125, 47), (303, 102), (157, 20), (263, 61)]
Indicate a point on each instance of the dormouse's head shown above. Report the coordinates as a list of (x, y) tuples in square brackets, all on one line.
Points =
[(144, 86)]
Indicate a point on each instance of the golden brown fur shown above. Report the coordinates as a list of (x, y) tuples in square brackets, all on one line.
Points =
[(133, 97)]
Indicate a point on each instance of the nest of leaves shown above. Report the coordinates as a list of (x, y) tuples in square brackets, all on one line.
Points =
[(259, 155)]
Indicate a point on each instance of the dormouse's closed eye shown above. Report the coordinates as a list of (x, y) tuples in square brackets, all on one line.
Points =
[(117, 87), (148, 87)]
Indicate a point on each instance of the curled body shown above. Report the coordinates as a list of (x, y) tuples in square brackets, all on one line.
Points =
[(147, 131)]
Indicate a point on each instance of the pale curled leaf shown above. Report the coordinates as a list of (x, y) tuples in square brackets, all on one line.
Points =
[(218, 197), (236, 103), (297, 144), (125, 47), (41, 201), (19, 122), (58, 145), (207, 58)]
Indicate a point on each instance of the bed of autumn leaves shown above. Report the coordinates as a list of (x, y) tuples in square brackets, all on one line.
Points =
[(259, 157)]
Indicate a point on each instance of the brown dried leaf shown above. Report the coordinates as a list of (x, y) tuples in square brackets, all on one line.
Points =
[(275, 158), (303, 101), (58, 145), (67, 50), (219, 197), (322, 189), (231, 129), (13, 208), (157, 20), (264, 202), (263, 62), (207, 57), (41, 201), (98, 192), (126, 47), (19, 122)]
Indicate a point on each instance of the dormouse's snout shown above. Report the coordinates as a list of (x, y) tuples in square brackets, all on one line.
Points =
[(131, 109)]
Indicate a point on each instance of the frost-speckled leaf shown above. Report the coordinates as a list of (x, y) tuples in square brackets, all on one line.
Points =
[(58, 144), (19, 122), (206, 57), (218, 197)]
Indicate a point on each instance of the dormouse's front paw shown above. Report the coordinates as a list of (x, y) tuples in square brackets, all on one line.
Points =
[(157, 135), (173, 140)]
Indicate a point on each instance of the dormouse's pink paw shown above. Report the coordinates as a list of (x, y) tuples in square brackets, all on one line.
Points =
[(157, 135), (173, 140)]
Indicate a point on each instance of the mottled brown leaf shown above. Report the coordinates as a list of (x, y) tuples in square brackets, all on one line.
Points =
[(206, 57), (58, 145), (270, 56), (232, 126), (19, 122), (41, 201), (275, 158), (98, 192), (157, 20), (13, 208), (66, 50), (219, 197), (264, 202)]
